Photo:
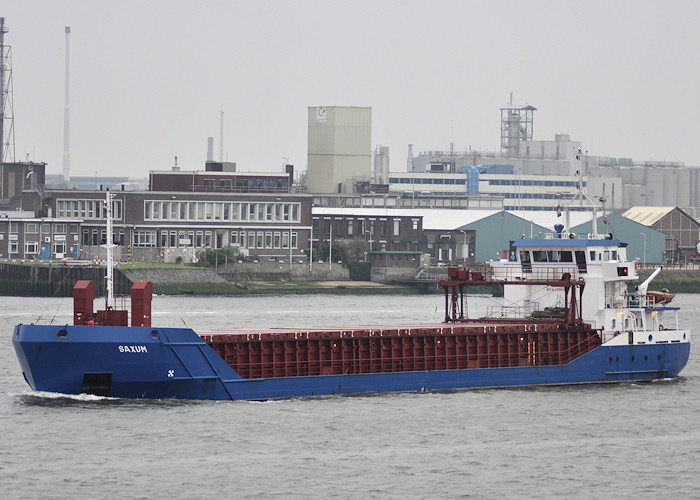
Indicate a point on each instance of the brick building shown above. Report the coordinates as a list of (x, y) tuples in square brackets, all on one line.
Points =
[(153, 226)]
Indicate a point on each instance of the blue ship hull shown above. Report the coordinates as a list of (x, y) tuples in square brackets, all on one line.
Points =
[(142, 362)]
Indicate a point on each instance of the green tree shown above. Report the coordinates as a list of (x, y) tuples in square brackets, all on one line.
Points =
[(356, 249), (214, 256), (345, 250)]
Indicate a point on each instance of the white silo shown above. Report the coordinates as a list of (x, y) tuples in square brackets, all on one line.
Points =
[(380, 173)]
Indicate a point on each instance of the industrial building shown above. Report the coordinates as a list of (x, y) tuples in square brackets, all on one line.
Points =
[(644, 244), (518, 192), (682, 232), (621, 182), (339, 148), (495, 234)]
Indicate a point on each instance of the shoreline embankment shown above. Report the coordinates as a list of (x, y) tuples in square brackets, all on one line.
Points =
[(58, 279), (207, 282)]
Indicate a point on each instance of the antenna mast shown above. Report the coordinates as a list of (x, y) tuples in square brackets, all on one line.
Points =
[(7, 134), (582, 198)]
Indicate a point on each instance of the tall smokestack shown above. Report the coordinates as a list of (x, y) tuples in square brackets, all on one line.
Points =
[(66, 116), (210, 149), (221, 136)]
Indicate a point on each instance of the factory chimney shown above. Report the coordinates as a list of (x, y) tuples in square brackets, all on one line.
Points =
[(66, 115), (221, 136)]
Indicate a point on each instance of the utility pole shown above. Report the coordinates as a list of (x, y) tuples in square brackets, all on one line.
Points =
[(311, 248), (290, 252)]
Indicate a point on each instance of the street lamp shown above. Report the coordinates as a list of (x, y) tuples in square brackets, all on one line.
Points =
[(367, 232), (644, 260)]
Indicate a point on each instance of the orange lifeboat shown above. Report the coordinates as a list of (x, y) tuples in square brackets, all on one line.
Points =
[(660, 297)]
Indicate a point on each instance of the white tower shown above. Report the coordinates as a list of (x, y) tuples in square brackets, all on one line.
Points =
[(66, 117)]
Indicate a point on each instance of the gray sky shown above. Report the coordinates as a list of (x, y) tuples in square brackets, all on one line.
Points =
[(149, 78)]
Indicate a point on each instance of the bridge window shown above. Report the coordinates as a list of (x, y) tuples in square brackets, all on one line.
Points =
[(525, 257), (554, 255), (539, 255)]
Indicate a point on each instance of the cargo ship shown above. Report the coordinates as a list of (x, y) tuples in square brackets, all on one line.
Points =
[(567, 318)]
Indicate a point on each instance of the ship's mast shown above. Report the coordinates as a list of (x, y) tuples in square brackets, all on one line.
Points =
[(109, 245), (583, 199)]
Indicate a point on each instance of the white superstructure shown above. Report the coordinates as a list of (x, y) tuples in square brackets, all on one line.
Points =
[(601, 263)]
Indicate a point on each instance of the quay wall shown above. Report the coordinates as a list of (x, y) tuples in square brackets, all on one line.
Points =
[(55, 280), (58, 279)]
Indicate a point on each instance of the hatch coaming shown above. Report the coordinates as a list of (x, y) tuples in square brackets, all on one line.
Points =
[(396, 349)]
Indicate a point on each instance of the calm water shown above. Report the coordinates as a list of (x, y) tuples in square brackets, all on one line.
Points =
[(612, 441)]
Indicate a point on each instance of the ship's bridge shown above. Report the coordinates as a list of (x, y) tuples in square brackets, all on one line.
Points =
[(545, 258)]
